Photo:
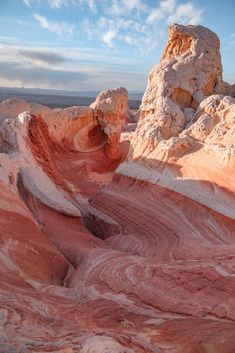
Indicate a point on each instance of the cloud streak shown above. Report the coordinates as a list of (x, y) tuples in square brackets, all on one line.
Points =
[(58, 4), (186, 14), (29, 76), (168, 10), (42, 57), (6, 39), (123, 7), (135, 23), (32, 56), (165, 8), (67, 68), (102, 25), (59, 28), (46, 77), (232, 38), (132, 22)]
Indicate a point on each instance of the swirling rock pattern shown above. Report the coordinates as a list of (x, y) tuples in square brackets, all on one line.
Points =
[(104, 252)]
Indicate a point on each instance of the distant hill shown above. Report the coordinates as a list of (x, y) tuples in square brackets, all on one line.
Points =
[(59, 98), (134, 95)]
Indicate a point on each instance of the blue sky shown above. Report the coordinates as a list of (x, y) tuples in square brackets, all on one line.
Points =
[(99, 44)]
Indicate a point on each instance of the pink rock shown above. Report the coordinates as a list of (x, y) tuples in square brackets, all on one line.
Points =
[(104, 252), (112, 110), (185, 136)]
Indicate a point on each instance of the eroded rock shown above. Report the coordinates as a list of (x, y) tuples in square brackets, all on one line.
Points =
[(186, 127), (138, 257)]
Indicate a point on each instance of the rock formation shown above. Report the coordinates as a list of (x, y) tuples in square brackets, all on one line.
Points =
[(185, 136), (121, 241)]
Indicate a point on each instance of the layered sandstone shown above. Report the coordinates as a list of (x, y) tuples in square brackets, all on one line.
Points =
[(101, 252), (185, 136)]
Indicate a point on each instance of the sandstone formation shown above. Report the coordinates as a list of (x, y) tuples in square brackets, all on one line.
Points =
[(185, 136), (111, 107), (116, 238)]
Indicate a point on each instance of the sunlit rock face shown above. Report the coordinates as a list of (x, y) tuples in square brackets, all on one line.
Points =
[(185, 136), (121, 241), (111, 107)]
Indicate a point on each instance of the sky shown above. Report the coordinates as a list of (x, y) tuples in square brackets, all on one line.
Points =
[(99, 44)]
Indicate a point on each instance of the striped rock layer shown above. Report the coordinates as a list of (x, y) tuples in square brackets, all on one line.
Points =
[(117, 238)]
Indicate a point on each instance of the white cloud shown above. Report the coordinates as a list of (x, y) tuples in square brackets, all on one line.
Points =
[(76, 68), (66, 3), (117, 27), (91, 4), (134, 4), (54, 26), (6, 39), (232, 38), (124, 7), (136, 22), (60, 56), (89, 29), (108, 38), (27, 2), (115, 24), (167, 11), (57, 4), (186, 14), (165, 8), (130, 40)]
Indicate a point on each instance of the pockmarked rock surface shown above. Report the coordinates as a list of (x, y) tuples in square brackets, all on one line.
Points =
[(118, 236), (186, 132)]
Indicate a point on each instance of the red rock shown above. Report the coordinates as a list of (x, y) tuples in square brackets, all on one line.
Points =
[(104, 252)]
